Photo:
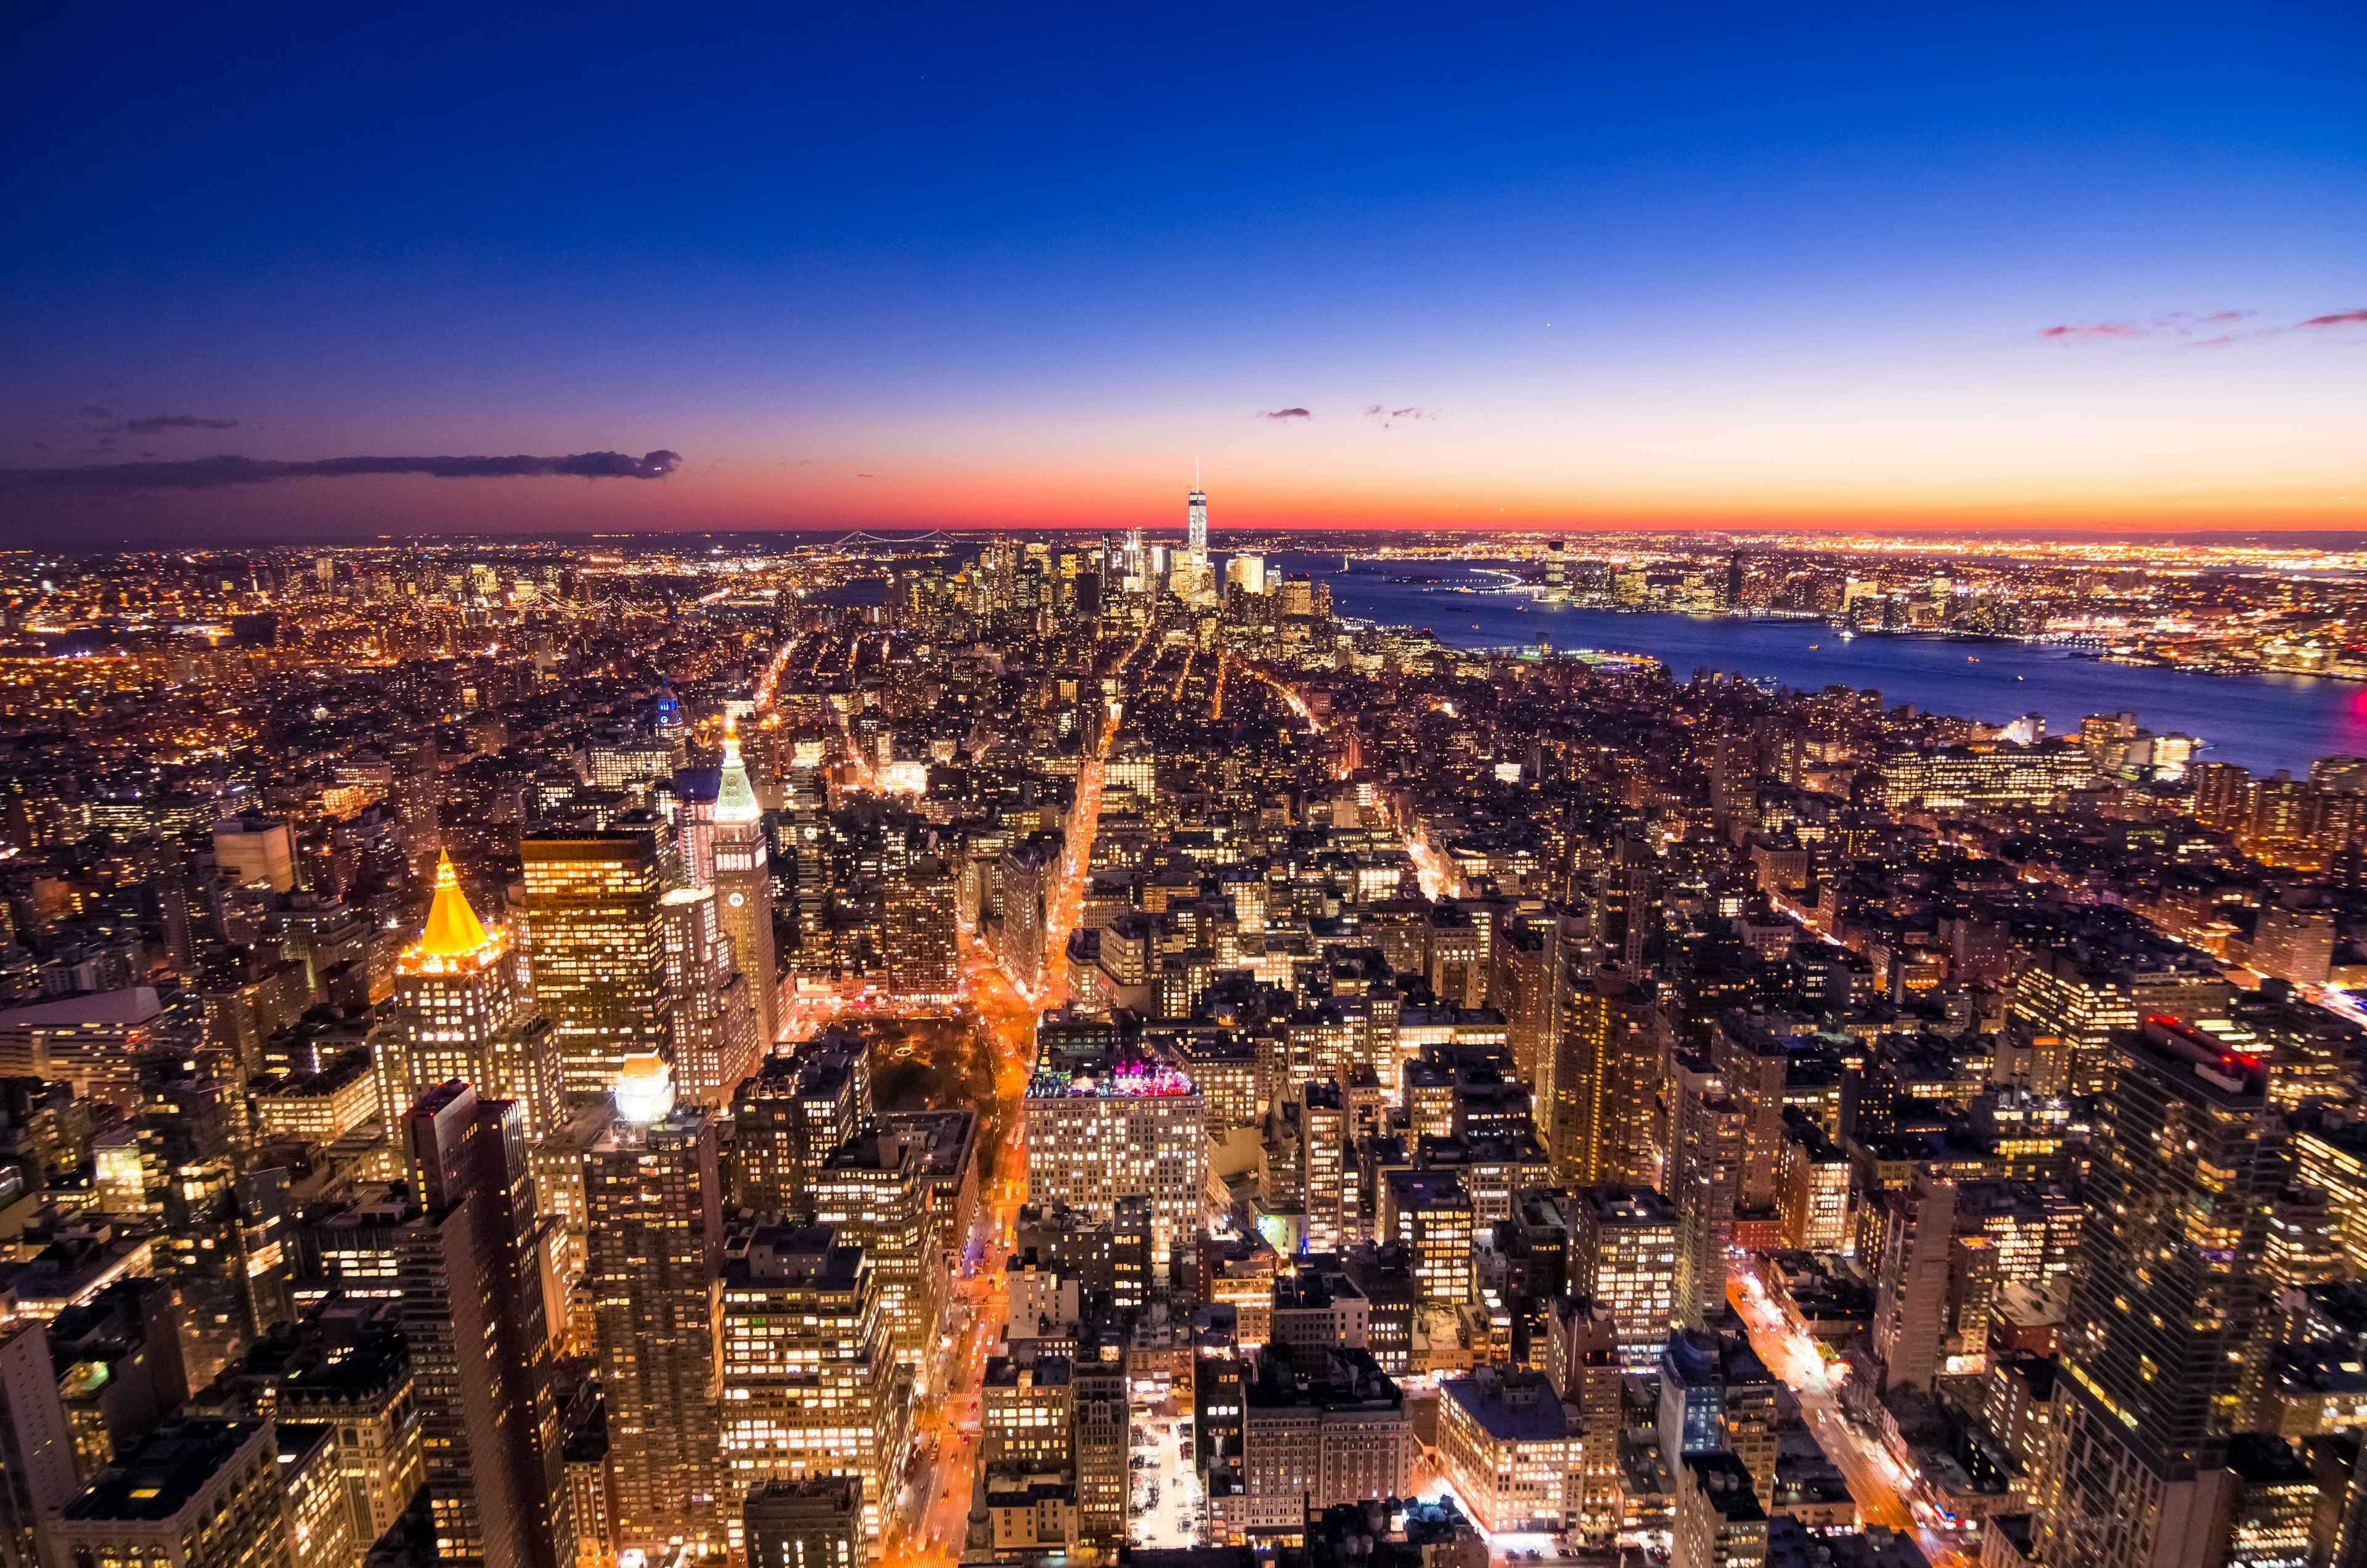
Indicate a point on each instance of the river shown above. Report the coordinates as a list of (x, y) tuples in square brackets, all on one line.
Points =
[(2265, 722)]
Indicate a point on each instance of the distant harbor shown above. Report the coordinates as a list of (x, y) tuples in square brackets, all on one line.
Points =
[(2262, 721)]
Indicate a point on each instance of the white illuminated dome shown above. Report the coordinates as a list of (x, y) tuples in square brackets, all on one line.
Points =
[(644, 1088)]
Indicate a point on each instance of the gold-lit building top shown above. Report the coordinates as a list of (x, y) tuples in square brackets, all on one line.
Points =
[(454, 940)]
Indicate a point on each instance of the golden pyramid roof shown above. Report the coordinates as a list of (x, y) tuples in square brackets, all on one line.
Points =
[(453, 930)]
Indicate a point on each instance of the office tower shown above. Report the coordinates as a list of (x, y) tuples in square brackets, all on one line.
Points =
[(1626, 895), (809, 1376), (654, 1233), (1505, 1443), (254, 849), (367, 1395), (1122, 1127), (1196, 528), (922, 960), (464, 1008), (1323, 1158), (1221, 1370), (37, 1447), (1557, 567), (1812, 1189), (787, 1119), (814, 1522), (592, 1489), (744, 887), (715, 1019), (2074, 1004), (1098, 1448), (1719, 1520), (1704, 1168), (190, 1130), (1429, 1213), (472, 1316), (1911, 1303), (1625, 1258), (1716, 1396), (597, 940), (558, 1187), (2279, 1504), (1586, 1367), (1755, 1064), (320, 1521), (1343, 1434), (1027, 1413), (2168, 1304), (1525, 985), (870, 1190), (193, 1493)]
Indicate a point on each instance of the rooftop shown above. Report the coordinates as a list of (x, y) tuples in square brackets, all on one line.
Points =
[(168, 1469)]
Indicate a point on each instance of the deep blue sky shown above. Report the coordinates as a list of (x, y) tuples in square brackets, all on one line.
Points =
[(1030, 259)]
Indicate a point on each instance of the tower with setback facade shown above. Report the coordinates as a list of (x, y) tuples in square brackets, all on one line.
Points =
[(465, 1008), (653, 1210)]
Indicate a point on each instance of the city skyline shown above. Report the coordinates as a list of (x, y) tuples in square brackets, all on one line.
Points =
[(1638, 271), (1068, 787)]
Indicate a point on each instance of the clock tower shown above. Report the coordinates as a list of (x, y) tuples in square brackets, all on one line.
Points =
[(743, 884)]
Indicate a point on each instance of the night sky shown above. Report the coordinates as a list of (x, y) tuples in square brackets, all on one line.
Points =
[(2000, 266)]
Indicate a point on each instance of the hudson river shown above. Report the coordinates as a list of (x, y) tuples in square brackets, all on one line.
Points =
[(2262, 721)]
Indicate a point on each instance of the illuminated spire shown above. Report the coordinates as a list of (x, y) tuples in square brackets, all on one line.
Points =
[(1196, 539), (453, 930), (735, 797)]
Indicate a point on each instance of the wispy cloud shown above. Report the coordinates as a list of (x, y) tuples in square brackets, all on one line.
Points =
[(217, 473), (157, 423), (1283, 413), (2098, 333), (2182, 327)]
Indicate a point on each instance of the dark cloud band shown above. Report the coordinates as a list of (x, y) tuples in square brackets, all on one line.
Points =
[(216, 473)]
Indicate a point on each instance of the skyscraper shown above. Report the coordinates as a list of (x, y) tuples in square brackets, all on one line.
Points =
[(1623, 1257), (37, 1457), (870, 1190), (653, 1194), (481, 1355), (1197, 538), (1705, 1174), (788, 1118), (921, 965), (597, 940), (2167, 1306), (743, 885), (809, 1374), (463, 1004), (715, 1017), (1606, 1063)]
